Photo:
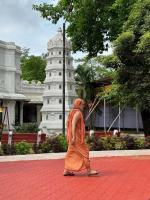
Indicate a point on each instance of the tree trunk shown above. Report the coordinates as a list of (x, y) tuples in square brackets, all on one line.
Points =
[(146, 122)]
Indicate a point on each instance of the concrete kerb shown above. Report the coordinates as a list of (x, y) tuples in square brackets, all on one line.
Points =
[(48, 156)]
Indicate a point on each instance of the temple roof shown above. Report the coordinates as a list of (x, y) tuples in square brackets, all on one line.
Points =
[(13, 96), (57, 40)]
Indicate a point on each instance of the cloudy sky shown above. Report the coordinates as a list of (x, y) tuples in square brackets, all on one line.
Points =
[(21, 24)]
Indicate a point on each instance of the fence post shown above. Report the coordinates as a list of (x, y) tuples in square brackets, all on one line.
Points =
[(10, 134), (38, 138)]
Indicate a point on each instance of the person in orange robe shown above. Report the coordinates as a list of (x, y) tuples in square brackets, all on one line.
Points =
[(77, 156)]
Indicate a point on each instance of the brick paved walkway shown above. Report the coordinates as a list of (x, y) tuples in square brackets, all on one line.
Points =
[(122, 178)]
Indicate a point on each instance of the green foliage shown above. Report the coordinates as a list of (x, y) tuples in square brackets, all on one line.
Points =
[(131, 57), (89, 71), (17, 148), (92, 23), (134, 143), (8, 150), (26, 128), (104, 143), (45, 147), (109, 62), (119, 13), (22, 148), (33, 67), (88, 22), (55, 143), (123, 47), (138, 19), (58, 143), (117, 143), (143, 46), (1, 151), (147, 142)]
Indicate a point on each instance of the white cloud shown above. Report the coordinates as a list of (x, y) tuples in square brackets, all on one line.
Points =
[(21, 24)]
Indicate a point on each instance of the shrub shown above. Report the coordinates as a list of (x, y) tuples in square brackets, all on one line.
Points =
[(104, 143), (63, 142), (139, 143), (26, 128), (1, 151), (90, 142), (45, 147), (99, 143), (147, 142), (134, 142), (130, 142), (117, 143), (56, 143), (8, 150), (23, 148)]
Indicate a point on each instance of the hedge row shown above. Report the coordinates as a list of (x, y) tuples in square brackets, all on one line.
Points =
[(58, 143)]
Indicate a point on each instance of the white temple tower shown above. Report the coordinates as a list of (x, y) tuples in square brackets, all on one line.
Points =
[(52, 97)]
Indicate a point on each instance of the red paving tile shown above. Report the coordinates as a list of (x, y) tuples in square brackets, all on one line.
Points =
[(122, 178)]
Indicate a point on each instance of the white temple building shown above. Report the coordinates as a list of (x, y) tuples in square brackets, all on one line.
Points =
[(52, 97), (23, 100)]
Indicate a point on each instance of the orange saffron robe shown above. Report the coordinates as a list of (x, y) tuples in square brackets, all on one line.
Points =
[(77, 156)]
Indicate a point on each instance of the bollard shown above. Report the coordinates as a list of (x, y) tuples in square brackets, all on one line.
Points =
[(115, 132), (91, 132), (38, 138), (10, 133)]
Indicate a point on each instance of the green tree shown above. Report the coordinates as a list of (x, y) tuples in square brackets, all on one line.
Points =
[(132, 61), (91, 22), (33, 68), (88, 22)]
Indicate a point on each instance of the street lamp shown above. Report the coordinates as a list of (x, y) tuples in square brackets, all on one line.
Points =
[(64, 60)]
